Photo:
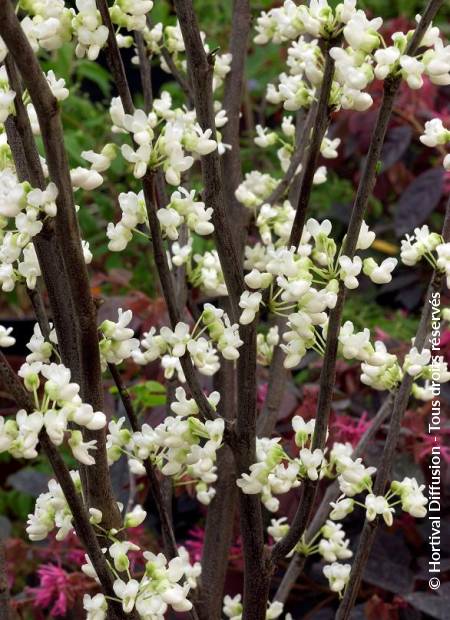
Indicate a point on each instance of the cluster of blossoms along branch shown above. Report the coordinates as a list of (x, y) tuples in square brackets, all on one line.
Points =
[(301, 282)]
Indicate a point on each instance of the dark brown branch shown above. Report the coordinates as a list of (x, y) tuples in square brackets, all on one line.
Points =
[(328, 372), (332, 493), (160, 256), (232, 100), (200, 70), (68, 236), (221, 512), (319, 127), (114, 59), (145, 71), (168, 288), (39, 310), (171, 550), (82, 526), (303, 135), (276, 389), (383, 473), (28, 168), (5, 608), (178, 76)]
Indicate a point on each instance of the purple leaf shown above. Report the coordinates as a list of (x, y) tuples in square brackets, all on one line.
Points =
[(397, 141), (418, 201)]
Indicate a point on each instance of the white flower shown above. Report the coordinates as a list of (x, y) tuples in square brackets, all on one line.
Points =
[(378, 505), (127, 592), (312, 462), (412, 70), (337, 575), (85, 179), (250, 303), (95, 606), (80, 449), (365, 238), (435, 133), (5, 339), (415, 362), (350, 268), (386, 60), (139, 157), (380, 274), (341, 508), (413, 500), (361, 33)]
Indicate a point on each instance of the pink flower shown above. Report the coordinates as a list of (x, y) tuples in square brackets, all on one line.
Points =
[(54, 590)]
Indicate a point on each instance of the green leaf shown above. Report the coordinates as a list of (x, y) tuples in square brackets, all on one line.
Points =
[(95, 73), (146, 394)]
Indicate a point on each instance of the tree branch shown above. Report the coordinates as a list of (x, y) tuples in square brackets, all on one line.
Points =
[(221, 512), (320, 123), (232, 99), (114, 59), (171, 549), (68, 236), (297, 563), (200, 70), (83, 528), (382, 476), (328, 372), (5, 608), (145, 71)]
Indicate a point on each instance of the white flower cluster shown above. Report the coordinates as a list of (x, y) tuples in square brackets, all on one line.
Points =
[(232, 608), (170, 37), (169, 148), (117, 342), (22, 209), (435, 134), (428, 245), (365, 57), (267, 138), (184, 209), (276, 473), (332, 546), (59, 406), (165, 584), (51, 512), (49, 23), (353, 478), (265, 344), (134, 212), (182, 447), (295, 271), (170, 345)]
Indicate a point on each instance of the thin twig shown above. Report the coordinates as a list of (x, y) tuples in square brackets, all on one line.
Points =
[(320, 124), (68, 235), (145, 71), (5, 608), (114, 59), (232, 101), (328, 372), (171, 549), (382, 476), (82, 526), (321, 514)]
